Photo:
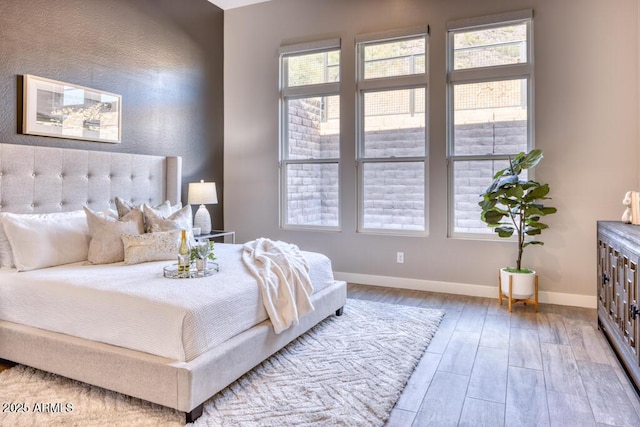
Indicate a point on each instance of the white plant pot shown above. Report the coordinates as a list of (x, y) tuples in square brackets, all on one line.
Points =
[(523, 284), (201, 264)]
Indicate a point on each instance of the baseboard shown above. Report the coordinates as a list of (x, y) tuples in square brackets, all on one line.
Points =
[(576, 300)]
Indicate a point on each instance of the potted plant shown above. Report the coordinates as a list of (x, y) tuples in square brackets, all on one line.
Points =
[(201, 252), (511, 205)]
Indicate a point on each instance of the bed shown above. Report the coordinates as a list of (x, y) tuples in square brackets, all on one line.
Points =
[(158, 365)]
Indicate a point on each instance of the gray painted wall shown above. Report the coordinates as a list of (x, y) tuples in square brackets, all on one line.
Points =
[(163, 56), (586, 115)]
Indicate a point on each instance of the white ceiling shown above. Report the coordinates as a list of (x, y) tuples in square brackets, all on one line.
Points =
[(230, 4)]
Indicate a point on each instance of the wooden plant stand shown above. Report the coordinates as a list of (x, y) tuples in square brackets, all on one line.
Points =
[(512, 300)]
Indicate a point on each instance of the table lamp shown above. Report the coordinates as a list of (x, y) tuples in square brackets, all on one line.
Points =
[(202, 193)]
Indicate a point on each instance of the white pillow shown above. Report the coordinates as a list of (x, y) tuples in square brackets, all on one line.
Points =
[(46, 240), (106, 243), (151, 246), (6, 257)]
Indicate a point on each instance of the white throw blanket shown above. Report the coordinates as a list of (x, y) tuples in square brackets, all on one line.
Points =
[(283, 276)]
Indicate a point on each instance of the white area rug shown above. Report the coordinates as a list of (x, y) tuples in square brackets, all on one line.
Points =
[(347, 371)]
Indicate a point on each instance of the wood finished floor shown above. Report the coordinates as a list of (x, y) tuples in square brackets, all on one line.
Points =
[(487, 367)]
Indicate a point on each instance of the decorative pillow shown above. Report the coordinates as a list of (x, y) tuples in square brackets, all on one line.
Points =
[(46, 240), (163, 210), (125, 207), (106, 244), (151, 246), (176, 221)]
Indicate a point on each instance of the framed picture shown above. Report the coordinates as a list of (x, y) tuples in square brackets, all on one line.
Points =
[(64, 110)]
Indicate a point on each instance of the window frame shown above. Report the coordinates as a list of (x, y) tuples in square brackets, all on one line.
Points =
[(382, 84), (300, 92), (478, 75)]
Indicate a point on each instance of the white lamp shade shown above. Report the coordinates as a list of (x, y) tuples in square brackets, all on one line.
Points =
[(202, 193)]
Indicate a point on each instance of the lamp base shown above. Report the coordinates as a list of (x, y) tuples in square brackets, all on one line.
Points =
[(202, 220)]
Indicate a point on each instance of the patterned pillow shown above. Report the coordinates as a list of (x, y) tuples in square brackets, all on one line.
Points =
[(123, 207), (176, 221), (159, 246), (106, 244), (163, 210)]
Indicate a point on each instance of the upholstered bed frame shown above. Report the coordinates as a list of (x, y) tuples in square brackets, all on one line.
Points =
[(43, 179)]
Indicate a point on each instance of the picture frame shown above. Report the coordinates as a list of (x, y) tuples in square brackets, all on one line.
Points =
[(65, 110)]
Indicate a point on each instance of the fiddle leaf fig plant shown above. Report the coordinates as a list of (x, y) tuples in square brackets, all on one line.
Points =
[(511, 205)]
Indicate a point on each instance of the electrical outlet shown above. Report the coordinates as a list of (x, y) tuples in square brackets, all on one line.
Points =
[(400, 257)]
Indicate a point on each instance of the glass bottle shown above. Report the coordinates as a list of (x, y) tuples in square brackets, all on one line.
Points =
[(184, 256)]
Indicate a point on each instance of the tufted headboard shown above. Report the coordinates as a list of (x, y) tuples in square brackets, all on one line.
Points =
[(46, 179)]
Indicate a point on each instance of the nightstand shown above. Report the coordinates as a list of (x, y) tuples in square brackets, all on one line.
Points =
[(215, 234)]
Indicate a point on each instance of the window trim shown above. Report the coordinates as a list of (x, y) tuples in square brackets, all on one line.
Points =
[(301, 92), (478, 75), (383, 84), (310, 46), (498, 20)]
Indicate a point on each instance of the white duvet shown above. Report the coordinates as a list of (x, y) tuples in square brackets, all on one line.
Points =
[(136, 307)]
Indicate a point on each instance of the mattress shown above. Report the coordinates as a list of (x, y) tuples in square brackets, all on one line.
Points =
[(135, 307)]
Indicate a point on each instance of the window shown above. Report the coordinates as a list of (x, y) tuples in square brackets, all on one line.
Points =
[(490, 108), (392, 137), (310, 135)]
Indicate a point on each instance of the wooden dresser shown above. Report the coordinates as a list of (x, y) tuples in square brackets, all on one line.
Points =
[(618, 311)]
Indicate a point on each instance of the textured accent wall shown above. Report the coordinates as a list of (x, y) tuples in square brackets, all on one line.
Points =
[(163, 56)]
